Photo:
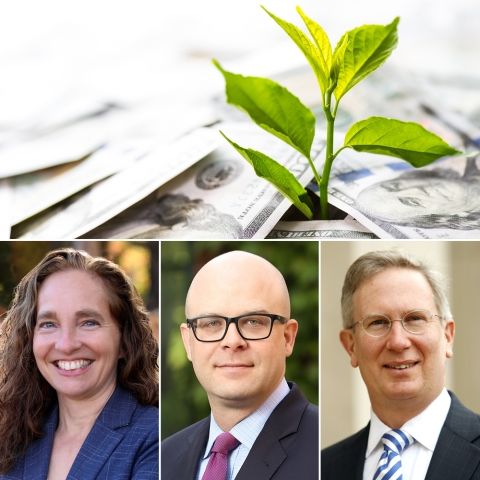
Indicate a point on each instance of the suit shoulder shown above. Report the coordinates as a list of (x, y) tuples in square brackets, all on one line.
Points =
[(463, 421), (311, 412), (146, 413), (172, 442), (336, 452)]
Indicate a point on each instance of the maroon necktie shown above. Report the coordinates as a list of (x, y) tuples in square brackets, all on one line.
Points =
[(218, 463)]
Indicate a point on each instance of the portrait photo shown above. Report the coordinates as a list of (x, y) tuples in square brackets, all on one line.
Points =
[(254, 383), (403, 315), (79, 360)]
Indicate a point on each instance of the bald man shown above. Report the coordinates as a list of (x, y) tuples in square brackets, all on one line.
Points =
[(272, 429)]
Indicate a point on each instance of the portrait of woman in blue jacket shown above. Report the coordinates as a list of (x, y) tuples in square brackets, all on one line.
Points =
[(78, 375)]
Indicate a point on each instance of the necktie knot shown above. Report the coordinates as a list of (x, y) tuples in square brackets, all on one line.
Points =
[(218, 464), (390, 465), (397, 440), (224, 443)]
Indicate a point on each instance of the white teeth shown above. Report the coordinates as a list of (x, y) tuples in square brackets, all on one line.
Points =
[(73, 365), (401, 367)]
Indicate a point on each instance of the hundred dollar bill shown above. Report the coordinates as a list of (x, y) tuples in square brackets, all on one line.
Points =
[(108, 198), (59, 147), (66, 143), (394, 200), (321, 229), (36, 191), (220, 197), (393, 93)]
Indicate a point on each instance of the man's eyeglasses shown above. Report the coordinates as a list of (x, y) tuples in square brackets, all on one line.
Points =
[(415, 321), (251, 326)]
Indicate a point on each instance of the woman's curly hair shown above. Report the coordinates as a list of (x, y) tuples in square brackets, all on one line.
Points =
[(25, 396)]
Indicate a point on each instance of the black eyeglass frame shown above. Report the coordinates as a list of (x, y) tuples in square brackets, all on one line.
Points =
[(229, 320), (430, 317)]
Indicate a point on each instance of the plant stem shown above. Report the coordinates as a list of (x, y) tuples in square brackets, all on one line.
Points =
[(329, 157)]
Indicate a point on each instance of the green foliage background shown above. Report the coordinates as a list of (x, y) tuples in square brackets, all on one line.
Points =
[(183, 401)]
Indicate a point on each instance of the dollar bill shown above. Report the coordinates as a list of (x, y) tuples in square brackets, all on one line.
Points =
[(36, 191), (59, 147), (394, 200), (220, 197), (321, 229), (53, 145), (113, 195)]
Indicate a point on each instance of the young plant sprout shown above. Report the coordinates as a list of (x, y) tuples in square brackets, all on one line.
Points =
[(272, 107)]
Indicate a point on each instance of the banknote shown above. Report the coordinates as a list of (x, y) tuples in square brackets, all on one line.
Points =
[(59, 147), (219, 198), (396, 94), (106, 199), (321, 229), (36, 191), (49, 146), (394, 200)]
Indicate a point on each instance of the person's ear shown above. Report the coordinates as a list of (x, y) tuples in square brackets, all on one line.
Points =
[(449, 336), (347, 339), (185, 332), (290, 334)]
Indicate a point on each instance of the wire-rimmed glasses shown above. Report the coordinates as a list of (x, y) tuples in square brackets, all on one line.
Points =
[(414, 321), (250, 326)]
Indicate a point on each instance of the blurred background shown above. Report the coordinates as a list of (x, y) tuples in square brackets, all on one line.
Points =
[(138, 259), (183, 401), (344, 398), (127, 53)]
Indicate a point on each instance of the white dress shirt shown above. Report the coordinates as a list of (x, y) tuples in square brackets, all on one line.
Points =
[(424, 428), (246, 432)]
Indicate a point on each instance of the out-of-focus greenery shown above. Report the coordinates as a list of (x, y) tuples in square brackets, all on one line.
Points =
[(183, 400), (138, 259)]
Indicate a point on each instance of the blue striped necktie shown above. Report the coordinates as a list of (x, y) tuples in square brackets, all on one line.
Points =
[(390, 465)]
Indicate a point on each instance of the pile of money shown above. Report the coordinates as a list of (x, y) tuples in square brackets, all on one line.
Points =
[(103, 171)]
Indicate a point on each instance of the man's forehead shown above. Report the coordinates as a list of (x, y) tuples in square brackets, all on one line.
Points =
[(384, 285), (232, 279)]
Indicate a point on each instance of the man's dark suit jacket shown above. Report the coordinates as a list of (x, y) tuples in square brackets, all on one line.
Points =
[(286, 448), (456, 455)]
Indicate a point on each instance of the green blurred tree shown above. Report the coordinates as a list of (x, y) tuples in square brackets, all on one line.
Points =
[(183, 399)]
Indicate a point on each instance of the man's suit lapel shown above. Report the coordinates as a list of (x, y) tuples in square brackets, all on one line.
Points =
[(195, 449), (267, 453), (354, 459), (455, 445), (183, 460)]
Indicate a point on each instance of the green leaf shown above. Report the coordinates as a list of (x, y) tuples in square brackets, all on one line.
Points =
[(309, 49), (321, 39), (368, 47), (337, 60), (406, 140), (272, 171), (273, 108)]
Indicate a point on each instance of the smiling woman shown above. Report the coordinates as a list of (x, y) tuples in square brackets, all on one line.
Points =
[(78, 374)]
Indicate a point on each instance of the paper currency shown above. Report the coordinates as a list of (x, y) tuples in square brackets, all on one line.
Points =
[(321, 229), (66, 145), (220, 197), (108, 198), (75, 141), (394, 200), (36, 191)]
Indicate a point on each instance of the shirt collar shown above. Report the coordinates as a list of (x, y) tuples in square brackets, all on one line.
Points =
[(247, 430), (424, 428)]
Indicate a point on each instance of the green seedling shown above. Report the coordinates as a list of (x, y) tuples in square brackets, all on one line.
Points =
[(271, 106)]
